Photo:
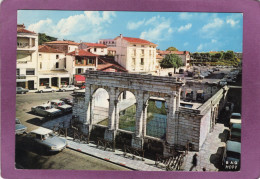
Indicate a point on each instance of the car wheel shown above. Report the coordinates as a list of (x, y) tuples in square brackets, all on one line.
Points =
[(41, 91), (64, 90)]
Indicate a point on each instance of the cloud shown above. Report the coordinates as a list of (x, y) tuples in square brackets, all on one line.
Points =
[(91, 23), (185, 16), (232, 22), (160, 29), (134, 25), (217, 23), (200, 47), (185, 28)]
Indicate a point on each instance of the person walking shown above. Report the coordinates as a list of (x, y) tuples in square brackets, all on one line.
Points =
[(194, 162)]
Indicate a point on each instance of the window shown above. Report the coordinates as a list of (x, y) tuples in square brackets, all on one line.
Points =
[(57, 64), (18, 72), (30, 72), (90, 61), (65, 63), (142, 61), (142, 45), (40, 55), (102, 50), (57, 56), (134, 45), (133, 61), (40, 65), (95, 49), (142, 52)]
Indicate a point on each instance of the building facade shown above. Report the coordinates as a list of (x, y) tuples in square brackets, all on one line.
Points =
[(52, 67), (95, 48), (64, 46), (27, 51), (136, 55), (108, 42)]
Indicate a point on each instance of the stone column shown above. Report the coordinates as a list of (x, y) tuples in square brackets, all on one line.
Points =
[(111, 109), (88, 105), (145, 107), (116, 114), (137, 140), (178, 99), (171, 123)]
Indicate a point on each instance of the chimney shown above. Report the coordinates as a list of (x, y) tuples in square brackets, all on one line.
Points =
[(76, 51), (121, 36)]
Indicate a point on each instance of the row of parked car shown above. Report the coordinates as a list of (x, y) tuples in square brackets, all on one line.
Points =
[(46, 89), (53, 108), (232, 153)]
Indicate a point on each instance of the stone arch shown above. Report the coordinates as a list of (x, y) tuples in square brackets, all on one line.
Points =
[(127, 109)]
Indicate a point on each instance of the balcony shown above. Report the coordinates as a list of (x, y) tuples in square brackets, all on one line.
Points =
[(26, 46)]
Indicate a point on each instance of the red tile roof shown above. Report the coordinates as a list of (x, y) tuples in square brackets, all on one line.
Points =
[(82, 53), (107, 63), (159, 57), (21, 30), (111, 49), (62, 42), (138, 41), (47, 49), (161, 52), (95, 45)]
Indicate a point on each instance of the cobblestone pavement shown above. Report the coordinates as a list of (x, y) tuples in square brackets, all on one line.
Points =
[(116, 157), (210, 154)]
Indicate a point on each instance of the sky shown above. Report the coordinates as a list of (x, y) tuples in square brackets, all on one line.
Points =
[(190, 31)]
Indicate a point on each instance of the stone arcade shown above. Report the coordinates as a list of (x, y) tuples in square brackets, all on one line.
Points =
[(184, 125)]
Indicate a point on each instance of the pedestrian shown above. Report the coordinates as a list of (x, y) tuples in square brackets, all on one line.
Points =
[(194, 162)]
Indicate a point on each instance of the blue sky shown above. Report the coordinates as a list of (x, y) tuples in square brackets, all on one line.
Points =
[(194, 32)]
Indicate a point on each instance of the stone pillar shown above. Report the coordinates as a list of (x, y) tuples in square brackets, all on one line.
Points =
[(171, 123), (137, 140), (111, 109), (116, 115), (145, 107), (178, 99), (88, 98)]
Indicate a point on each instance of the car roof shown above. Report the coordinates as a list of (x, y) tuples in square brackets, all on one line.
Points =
[(235, 114), (56, 101), (233, 146), (41, 131)]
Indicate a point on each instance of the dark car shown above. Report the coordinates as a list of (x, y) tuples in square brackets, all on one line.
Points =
[(20, 90), (67, 101), (19, 128)]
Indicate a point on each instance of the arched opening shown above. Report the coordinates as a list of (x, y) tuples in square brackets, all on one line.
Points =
[(100, 107), (127, 111), (156, 121)]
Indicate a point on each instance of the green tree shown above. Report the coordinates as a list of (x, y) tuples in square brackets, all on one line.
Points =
[(45, 38), (171, 61), (229, 55), (172, 49)]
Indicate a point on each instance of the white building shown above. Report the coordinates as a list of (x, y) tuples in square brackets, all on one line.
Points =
[(95, 48), (52, 67), (27, 50), (135, 54)]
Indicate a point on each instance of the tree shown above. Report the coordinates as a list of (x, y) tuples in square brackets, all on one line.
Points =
[(45, 38), (172, 49), (171, 61), (229, 55)]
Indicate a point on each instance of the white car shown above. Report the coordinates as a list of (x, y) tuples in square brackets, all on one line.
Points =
[(58, 104), (47, 140), (46, 110), (68, 88), (46, 89)]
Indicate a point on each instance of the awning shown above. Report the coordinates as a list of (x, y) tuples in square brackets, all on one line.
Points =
[(200, 91), (80, 78)]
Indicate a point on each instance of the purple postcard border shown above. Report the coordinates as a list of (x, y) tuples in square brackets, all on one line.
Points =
[(251, 80)]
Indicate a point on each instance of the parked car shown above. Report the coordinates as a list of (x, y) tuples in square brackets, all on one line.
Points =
[(67, 101), (235, 118), (46, 110), (61, 105), (47, 140), (46, 89), (235, 132), (231, 155), (20, 90), (68, 88), (19, 128)]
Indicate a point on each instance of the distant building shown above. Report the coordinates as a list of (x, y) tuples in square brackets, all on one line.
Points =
[(108, 42), (78, 61), (135, 54), (111, 51), (27, 50), (108, 64), (64, 46), (95, 48), (52, 67), (185, 55)]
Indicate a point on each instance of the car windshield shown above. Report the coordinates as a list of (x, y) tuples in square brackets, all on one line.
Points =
[(233, 154), (235, 117)]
